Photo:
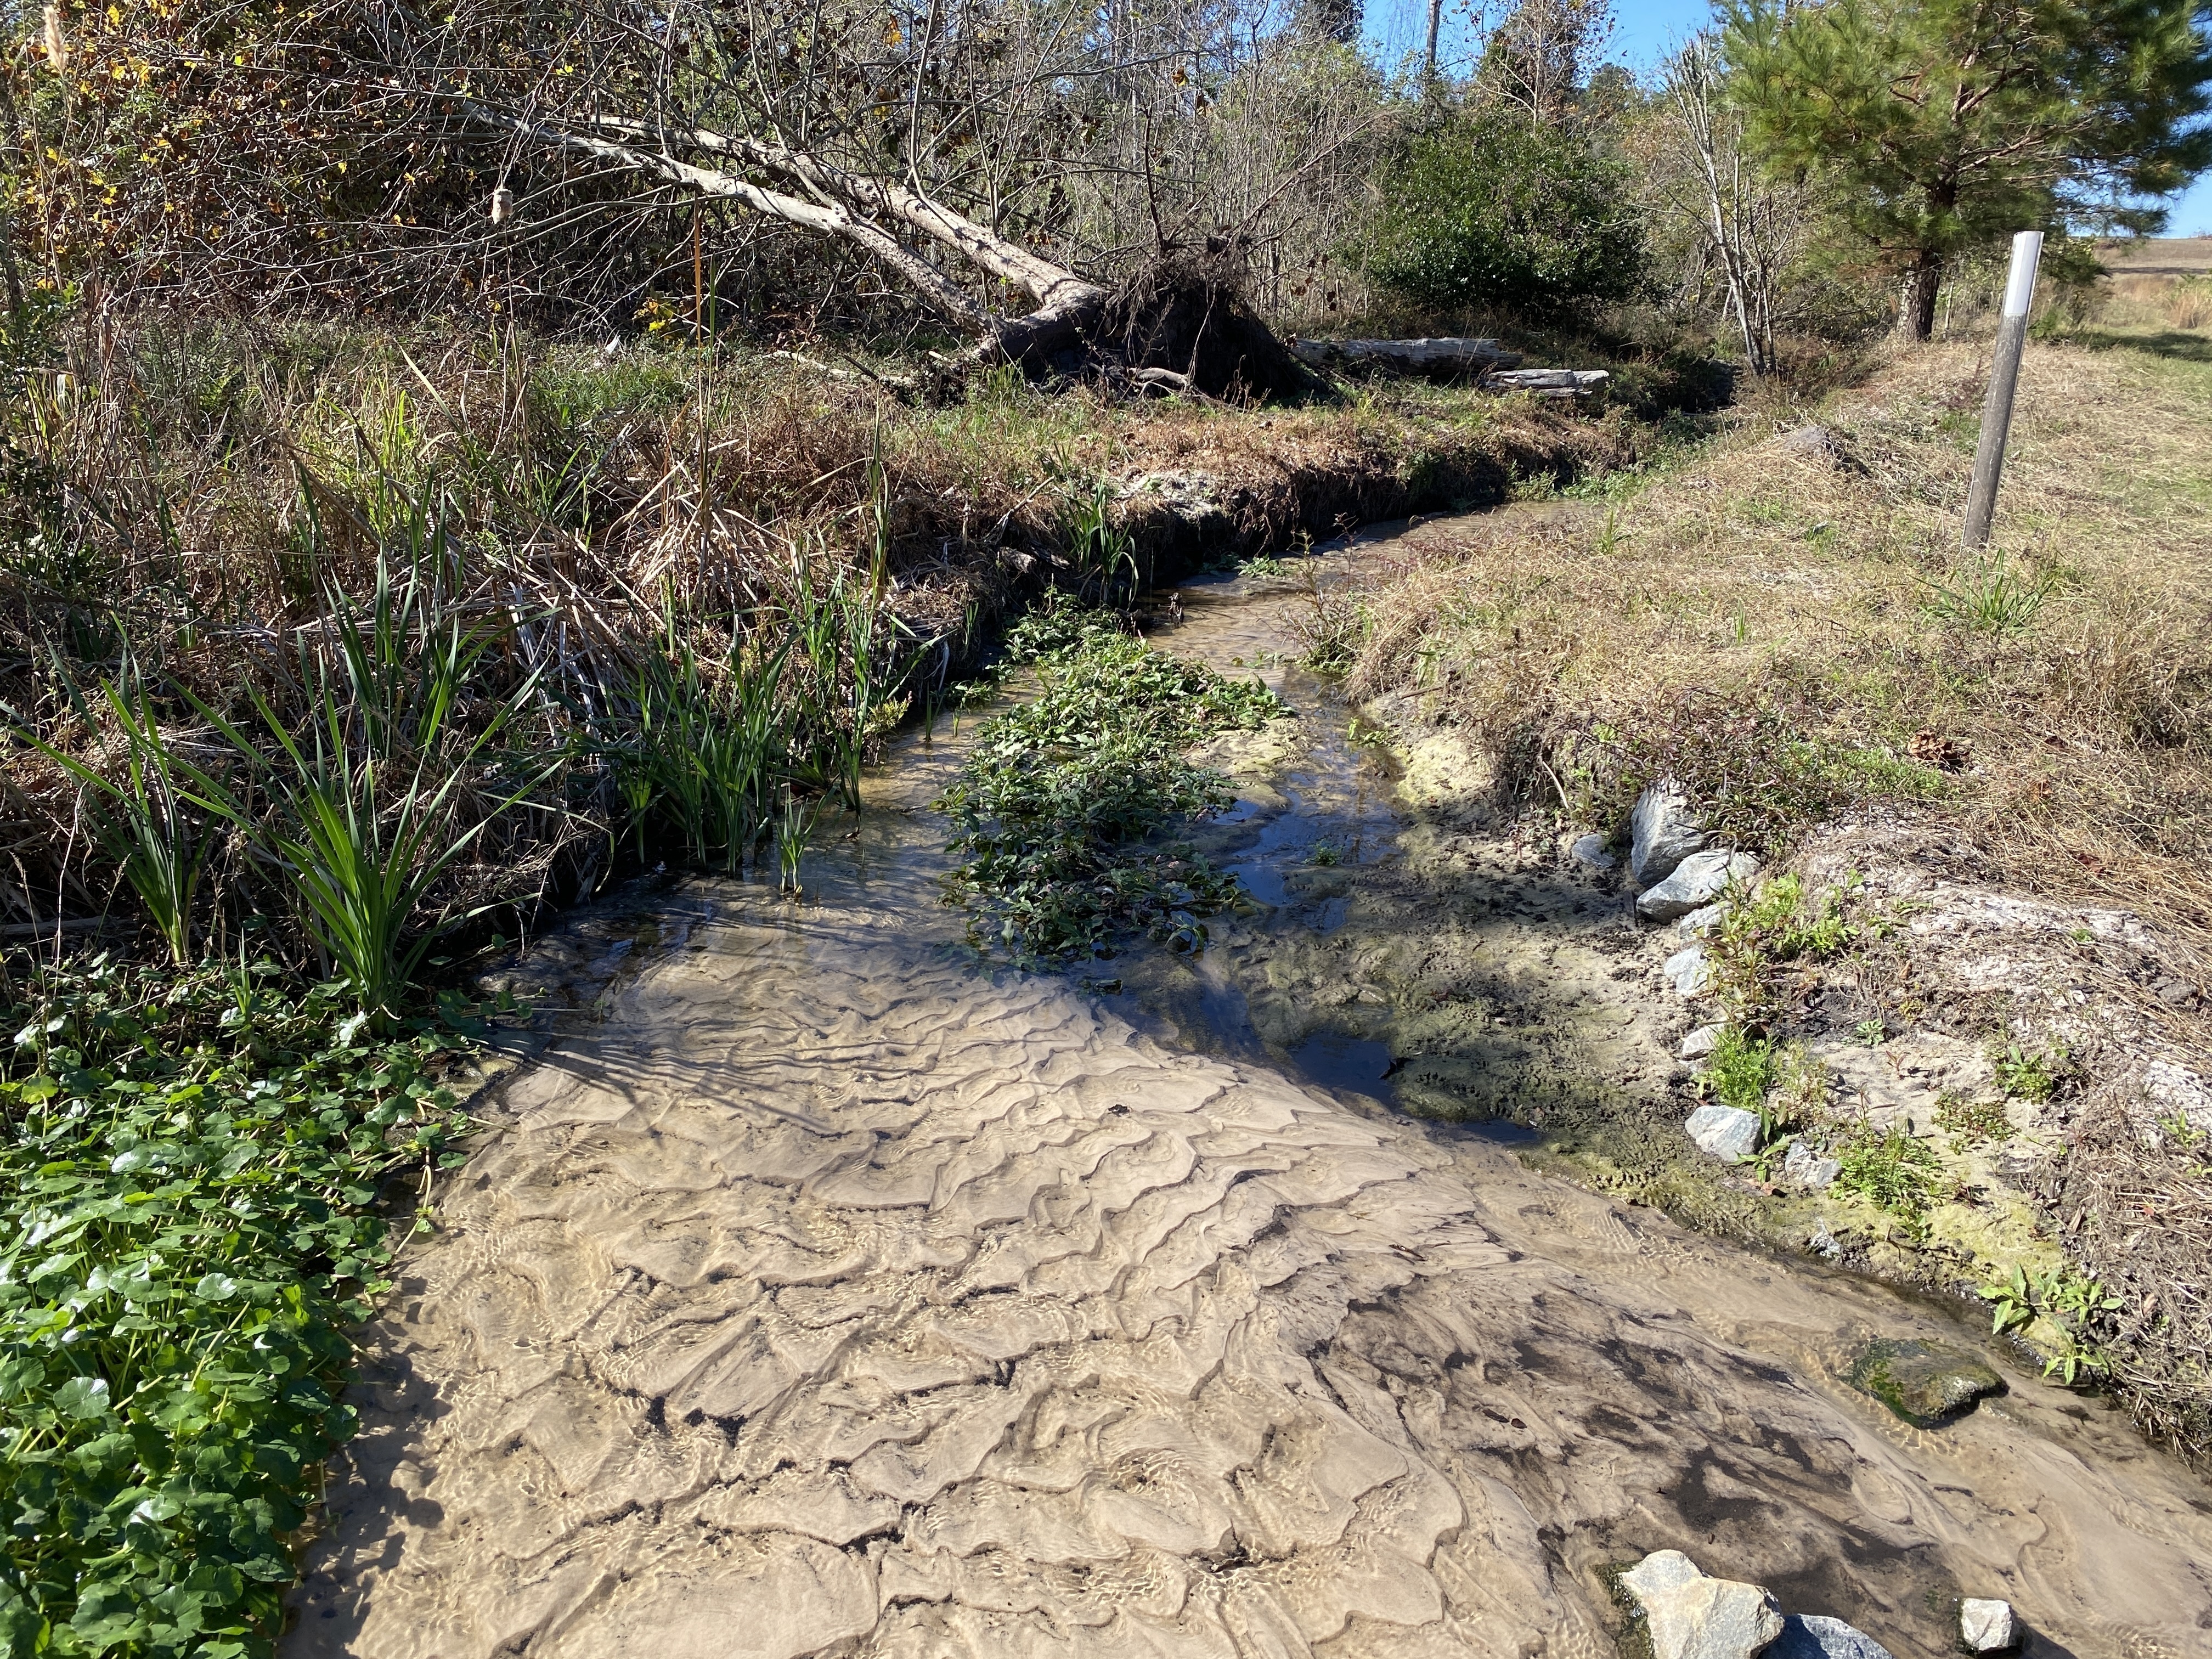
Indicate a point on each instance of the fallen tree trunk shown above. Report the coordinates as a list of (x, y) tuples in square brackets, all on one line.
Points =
[(1179, 323), (1449, 355)]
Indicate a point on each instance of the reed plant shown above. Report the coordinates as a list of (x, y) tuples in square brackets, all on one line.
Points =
[(360, 810), (141, 820)]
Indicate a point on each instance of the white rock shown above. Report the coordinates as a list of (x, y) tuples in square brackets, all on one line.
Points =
[(1988, 1627), (1811, 1636), (1591, 850), (1690, 1616), (1701, 1041), (1696, 882), (1801, 1167), (1664, 833), (1728, 1132), (1701, 921), (1689, 972)]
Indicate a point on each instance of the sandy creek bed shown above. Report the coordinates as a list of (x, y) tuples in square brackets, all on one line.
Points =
[(821, 1296)]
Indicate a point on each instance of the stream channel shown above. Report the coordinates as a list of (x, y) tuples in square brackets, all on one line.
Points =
[(812, 1292)]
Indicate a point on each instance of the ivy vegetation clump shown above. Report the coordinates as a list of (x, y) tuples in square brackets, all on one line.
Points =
[(1056, 811), (188, 1226)]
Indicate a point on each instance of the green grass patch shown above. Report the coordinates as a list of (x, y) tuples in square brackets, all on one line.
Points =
[(190, 1168), (1740, 1070), (1972, 1122), (1056, 810), (1892, 1171)]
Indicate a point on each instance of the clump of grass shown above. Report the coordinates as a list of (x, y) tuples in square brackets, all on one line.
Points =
[(1892, 1171), (187, 1232), (2034, 1074), (1986, 595), (1054, 810)]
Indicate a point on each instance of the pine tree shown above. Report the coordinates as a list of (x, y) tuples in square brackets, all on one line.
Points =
[(1941, 126)]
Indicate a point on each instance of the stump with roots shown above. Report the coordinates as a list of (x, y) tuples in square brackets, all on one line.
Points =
[(1179, 323)]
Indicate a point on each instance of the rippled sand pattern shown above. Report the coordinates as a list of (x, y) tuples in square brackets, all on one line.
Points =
[(826, 1297), (831, 1299)]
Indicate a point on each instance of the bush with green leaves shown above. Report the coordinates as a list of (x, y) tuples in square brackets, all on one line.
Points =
[(191, 1168), (1491, 208), (1055, 809)]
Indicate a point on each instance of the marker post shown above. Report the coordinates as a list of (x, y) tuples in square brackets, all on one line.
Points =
[(2004, 376)]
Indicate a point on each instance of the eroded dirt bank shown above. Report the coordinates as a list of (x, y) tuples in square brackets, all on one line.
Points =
[(825, 1296)]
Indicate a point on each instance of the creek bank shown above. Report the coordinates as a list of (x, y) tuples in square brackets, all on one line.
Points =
[(1948, 1092)]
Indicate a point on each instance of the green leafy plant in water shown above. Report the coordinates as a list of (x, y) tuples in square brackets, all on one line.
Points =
[(1099, 549), (1056, 807), (186, 1233), (2070, 1303)]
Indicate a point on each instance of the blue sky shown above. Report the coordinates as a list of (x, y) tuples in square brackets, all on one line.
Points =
[(1647, 28)]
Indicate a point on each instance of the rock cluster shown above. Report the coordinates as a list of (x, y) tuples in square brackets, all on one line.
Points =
[(1689, 1615)]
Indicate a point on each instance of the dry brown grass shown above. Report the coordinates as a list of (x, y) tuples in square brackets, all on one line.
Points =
[(191, 497), (2182, 301), (1785, 621), (1779, 620)]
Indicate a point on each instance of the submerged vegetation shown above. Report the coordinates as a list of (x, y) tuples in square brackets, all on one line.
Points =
[(1056, 810)]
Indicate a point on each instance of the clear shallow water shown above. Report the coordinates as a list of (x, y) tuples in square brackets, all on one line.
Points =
[(816, 1293)]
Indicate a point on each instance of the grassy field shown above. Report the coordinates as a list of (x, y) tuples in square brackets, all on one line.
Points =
[(1786, 619)]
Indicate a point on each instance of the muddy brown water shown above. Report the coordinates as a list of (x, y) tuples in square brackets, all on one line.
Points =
[(816, 1293)]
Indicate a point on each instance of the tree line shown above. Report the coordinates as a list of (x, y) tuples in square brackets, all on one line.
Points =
[(1071, 185)]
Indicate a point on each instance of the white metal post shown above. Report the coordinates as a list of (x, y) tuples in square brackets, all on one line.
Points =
[(2004, 376)]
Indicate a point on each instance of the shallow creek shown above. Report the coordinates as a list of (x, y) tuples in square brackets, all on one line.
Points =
[(815, 1293)]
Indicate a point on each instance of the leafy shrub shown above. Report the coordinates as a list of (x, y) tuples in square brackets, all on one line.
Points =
[(188, 1173), (1740, 1070), (1053, 805), (1489, 210)]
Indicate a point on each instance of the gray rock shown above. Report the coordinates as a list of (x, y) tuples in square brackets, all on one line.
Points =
[(1688, 972), (1924, 1382), (1701, 1041), (1728, 1132), (1665, 832), (1690, 1616), (1591, 850), (1814, 443), (1823, 1244), (1701, 921), (1803, 1167), (1988, 1627), (1697, 881), (1811, 1636)]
